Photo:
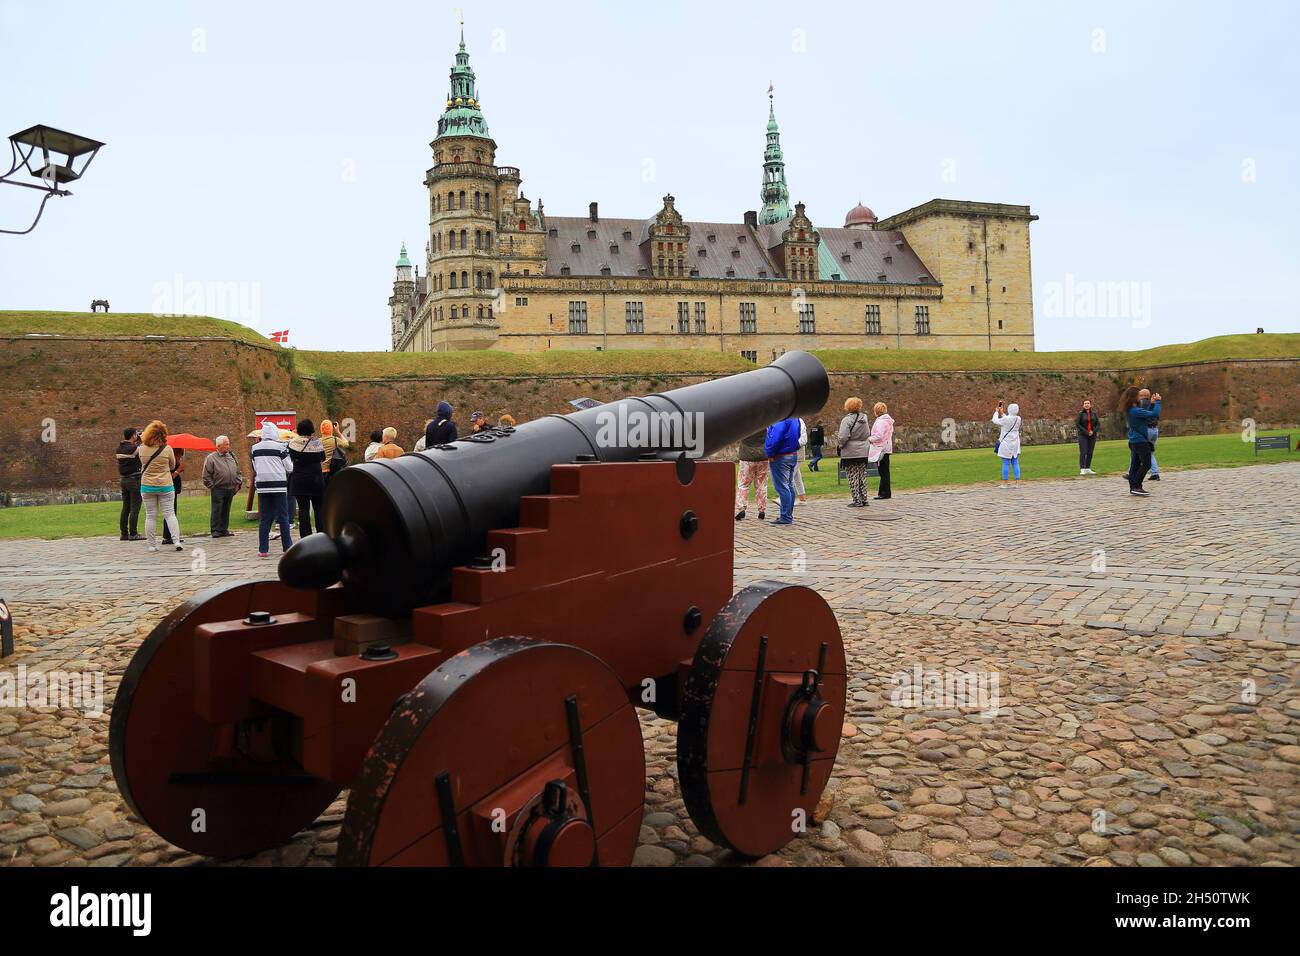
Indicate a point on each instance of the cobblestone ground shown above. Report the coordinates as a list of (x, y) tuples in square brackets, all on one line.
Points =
[(1146, 654)]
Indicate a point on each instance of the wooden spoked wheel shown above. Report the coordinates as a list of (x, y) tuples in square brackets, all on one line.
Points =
[(761, 713), (513, 753)]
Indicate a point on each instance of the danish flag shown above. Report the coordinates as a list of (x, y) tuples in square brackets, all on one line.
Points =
[(280, 337)]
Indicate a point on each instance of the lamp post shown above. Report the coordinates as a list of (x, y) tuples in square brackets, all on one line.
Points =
[(69, 149)]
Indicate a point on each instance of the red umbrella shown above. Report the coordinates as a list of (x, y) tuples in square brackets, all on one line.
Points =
[(190, 442)]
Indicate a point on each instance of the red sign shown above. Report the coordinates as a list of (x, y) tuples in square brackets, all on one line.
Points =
[(287, 421)]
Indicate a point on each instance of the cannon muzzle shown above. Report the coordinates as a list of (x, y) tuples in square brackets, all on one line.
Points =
[(394, 529)]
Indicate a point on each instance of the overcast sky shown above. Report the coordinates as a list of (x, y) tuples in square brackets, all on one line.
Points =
[(277, 149)]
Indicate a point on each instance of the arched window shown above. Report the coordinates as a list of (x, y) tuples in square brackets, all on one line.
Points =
[(476, 199), (451, 200), (464, 238), (661, 265), (453, 312), (478, 280), (489, 278), (464, 280), (681, 267), (478, 239), (462, 199), (480, 311), (487, 202), (451, 239), (453, 280), (488, 244), (522, 225)]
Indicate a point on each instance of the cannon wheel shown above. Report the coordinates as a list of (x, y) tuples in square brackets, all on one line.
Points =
[(169, 764), (761, 712), (458, 774)]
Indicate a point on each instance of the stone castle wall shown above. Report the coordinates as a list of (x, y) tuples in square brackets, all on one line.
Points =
[(89, 389)]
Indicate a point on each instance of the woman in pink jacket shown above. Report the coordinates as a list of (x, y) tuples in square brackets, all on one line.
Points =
[(881, 440)]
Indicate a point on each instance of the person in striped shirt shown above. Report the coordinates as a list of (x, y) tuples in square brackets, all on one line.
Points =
[(271, 469)]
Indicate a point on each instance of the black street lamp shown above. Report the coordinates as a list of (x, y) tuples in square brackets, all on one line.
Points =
[(52, 173)]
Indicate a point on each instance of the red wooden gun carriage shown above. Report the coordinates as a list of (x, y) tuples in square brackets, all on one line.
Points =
[(466, 644)]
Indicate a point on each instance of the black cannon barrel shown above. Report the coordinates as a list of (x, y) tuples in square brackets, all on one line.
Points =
[(395, 528)]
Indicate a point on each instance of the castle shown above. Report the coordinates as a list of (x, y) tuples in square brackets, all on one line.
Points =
[(500, 273)]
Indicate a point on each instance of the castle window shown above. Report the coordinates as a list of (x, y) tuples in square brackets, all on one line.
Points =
[(451, 200), (453, 283), (881, 277), (575, 247), (627, 235), (889, 259), (972, 290), (521, 300), (480, 311), (476, 199), (762, 273), (523, 226), (490, 283), (451, 239), (478, 280), (731, 273), (683, 318), (462, 199), (553, 232), (634, 316), (454, 313), (970, 247), (735, 253), (922, 320), (604, 270), (701, 318), (464, 238), (613, 248), (742, 238), (464, 280), (748, 318), (577, 318), (487, 203), (564, 270), (1002, 247), (591, 233), (750, 355), (661, 265), (1004, 288), (807, 318), (999, 323), (713, 237), (873, 320)]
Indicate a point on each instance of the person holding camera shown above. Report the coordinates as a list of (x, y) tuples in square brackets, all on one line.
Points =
[(1141, 411), (128, 469), (1008, 445)]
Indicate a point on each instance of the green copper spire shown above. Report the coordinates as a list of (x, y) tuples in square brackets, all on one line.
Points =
[(402, 260), (775, 194), (463, 115)]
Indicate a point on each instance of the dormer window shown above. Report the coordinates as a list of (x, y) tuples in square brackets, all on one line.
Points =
[(695, 273), (742, 238), (627, 235), (735, 253), (591, 233), (564, 270), (613, 247), (575, 247), (731, 273), (762, 273), (604, 270), (713, 237), (846, 258), (857, 243), (889, 259), (552, 232), (881, 277)]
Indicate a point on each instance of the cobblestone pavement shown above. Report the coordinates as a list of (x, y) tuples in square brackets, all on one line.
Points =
[(1147, 713)]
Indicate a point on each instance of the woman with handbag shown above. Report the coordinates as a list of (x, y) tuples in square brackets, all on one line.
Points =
[(307, 481), (882, 446), (157, 490), (1008, 444), (335, 447), (855, 447)]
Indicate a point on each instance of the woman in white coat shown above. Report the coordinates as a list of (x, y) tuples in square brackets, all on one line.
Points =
[(1008, 447)]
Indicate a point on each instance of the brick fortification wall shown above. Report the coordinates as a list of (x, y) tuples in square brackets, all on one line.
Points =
[(82, 392)]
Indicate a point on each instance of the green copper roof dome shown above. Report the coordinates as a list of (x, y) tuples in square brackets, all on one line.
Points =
[(775, 193), (463, 115), (402, 261)]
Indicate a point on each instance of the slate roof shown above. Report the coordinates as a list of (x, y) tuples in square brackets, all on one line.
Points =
[(587, 248)]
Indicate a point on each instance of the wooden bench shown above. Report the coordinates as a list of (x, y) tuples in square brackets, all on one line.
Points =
[(1273, 442), (873, 471)]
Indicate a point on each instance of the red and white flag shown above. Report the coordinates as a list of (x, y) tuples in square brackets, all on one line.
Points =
[(280, 337)]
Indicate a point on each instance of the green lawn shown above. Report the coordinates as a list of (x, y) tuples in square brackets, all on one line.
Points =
[(80, 521), (909, 471), (968, 466)]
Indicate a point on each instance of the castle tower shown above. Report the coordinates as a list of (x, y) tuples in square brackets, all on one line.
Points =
[(465, 201), (775, 193), (399, 302)]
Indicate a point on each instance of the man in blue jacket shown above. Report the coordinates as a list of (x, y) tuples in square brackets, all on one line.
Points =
[(782, 449), (1139, 419)]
